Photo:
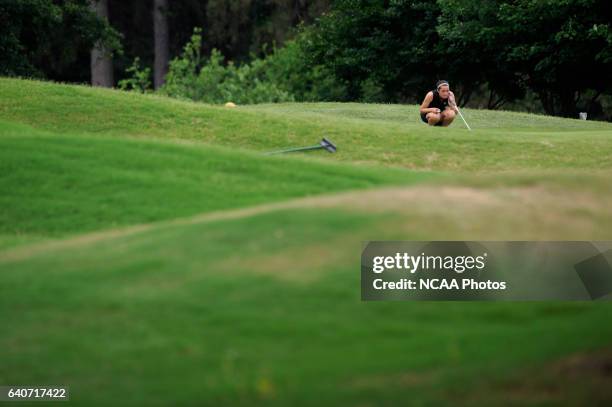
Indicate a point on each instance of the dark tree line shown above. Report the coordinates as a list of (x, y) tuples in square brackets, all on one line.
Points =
[(96, 40), (156, 30), (51, 39), (393, 51)]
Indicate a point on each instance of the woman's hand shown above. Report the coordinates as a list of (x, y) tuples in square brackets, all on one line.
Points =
[(453, 103)]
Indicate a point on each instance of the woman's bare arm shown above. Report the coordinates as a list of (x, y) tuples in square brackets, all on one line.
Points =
[(453, 102), (424, 106)]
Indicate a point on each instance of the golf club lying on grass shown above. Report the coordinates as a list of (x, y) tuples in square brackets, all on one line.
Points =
[(325, 143)]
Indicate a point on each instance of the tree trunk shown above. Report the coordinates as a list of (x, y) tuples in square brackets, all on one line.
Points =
[(160, 27), (298, 11), (101, 61)]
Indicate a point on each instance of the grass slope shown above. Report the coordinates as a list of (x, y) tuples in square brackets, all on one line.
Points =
[(387, 134), (60, 184), (266, 310), (263, 307)]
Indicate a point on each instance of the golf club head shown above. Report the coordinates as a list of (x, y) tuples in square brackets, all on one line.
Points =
[(328, 145)]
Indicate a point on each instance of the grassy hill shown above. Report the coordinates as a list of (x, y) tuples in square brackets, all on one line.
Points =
[(62, 183), (378, 134), (151, 254)]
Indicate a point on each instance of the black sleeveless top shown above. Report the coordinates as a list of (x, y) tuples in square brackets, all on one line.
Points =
[(438, 101)]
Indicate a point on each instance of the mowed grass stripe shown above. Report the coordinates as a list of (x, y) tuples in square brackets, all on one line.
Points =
[(58, 184)]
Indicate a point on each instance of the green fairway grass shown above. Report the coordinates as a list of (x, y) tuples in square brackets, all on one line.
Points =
[(59, 183), (380, 134), (266, 310), (150, 254)]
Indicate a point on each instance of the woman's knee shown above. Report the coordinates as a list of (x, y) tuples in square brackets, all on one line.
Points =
[(449, 114), (433, 118)]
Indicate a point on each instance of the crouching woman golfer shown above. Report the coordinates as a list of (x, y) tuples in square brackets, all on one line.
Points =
[(436, 109)]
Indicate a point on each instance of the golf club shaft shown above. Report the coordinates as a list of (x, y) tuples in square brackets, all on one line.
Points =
[(290, 150), (462, 118)]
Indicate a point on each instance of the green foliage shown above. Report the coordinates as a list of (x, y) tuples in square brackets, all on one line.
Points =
[(371, 92), (208, 80), (138, 78), (237, 28), (16, 19), (395, 51), (44, 38), (380, 50), (287, 74), (291, 69), (558, 49)]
